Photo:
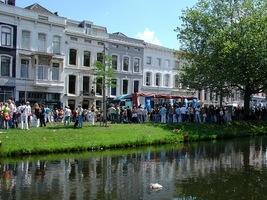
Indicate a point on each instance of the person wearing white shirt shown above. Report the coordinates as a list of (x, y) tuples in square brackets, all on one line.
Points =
[(183, 111), (25, 111), (92, 116), (197, 115), (67, 114)]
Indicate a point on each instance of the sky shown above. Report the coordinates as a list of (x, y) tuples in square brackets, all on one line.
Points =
[(153, 21)]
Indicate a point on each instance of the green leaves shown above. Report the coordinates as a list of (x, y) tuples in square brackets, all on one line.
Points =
[(226, 44), (104, 70)]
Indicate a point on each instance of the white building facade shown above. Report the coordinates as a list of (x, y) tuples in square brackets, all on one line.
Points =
[(38, 74)]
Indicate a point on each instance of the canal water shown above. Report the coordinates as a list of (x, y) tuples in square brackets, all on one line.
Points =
[(232, 169)]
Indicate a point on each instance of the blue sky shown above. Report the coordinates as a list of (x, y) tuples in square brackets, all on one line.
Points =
[(151, 20)]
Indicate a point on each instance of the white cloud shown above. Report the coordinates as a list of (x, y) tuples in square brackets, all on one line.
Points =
[(149, 36)]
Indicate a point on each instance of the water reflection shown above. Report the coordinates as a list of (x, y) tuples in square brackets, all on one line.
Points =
[(234, 169)]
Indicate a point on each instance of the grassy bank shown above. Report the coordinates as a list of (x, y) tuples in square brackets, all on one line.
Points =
[(58, 138)]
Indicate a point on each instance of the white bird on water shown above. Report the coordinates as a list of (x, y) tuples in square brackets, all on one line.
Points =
[(155, 186)]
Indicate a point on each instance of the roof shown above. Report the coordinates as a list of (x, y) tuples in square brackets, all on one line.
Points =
[(120, 34), (40, 9)]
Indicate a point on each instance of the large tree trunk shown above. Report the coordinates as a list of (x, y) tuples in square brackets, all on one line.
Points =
[(247, 104)]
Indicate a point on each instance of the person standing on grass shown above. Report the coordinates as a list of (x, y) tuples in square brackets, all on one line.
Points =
[(6, 112), (2, 119), (129, 115), (30, 113), (11, 106), (25, 111), (145, 115), (67, 114), (37, 114), (204, 114), (162, 113), (92, 115), (177, 113), (47, 114), (197, 114), (42, 116), (80, 116)]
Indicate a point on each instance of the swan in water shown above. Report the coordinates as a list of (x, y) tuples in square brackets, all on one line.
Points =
[(155, 186)]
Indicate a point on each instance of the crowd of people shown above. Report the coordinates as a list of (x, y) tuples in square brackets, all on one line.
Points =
[(178, 112), (25, 116)]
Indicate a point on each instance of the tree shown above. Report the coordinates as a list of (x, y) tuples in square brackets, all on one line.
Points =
[(225, 42), (103, 69)]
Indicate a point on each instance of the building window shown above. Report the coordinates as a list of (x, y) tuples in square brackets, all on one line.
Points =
[(158, 62), (99, 88), (125, 63), (205, 94), (167, 63), (72, 56), (158, 79), (42, 17), (43, 72), (86, 58), (88, 29), (211, 95), (56, 44), (148, 60), (86, 82), (148, 78), (25, 44), (176, 65), (166, 80), (113, 88), (100, 57), (41, 42), (5, 66), (6, 36), (55, 72), (24, 68), (114, 62), (125, 86), (6, 93), (115, 46), (136, 86), (136, 64), (74, 39), (72, 84), (176, 81)]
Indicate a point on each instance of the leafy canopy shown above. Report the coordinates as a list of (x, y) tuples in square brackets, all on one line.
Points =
[(225, 42)]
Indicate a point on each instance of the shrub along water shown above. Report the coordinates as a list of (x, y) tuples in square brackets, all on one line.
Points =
[(57, 138)]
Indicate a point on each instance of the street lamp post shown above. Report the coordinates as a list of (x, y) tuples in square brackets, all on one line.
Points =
[(26, 76)]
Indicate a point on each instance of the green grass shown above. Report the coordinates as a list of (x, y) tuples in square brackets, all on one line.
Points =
[(57, 138)]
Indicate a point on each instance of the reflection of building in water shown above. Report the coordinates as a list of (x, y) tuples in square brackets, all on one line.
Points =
[(127, 175)]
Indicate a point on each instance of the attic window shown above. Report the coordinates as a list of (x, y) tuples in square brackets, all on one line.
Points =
[(73, 38), (115, 46), (41, 17), (87, 41)]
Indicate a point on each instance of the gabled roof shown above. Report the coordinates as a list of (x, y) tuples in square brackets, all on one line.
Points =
[(40, 9)]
